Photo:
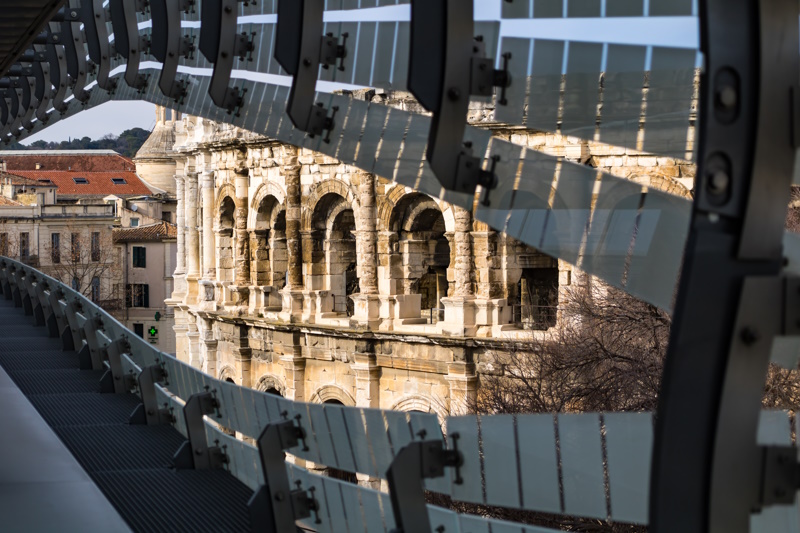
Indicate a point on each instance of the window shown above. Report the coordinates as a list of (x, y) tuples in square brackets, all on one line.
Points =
[(55, 248), (4, 244), (119, 181), (76, 284), (137, 295), (139, 329), (166, 216), (24, 245), (80, 181), (95, 289), (134, 222), (95, 246), (139, 257), (75, 248)]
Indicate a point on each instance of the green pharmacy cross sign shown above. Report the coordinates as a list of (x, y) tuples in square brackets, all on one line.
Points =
[(152, 331)]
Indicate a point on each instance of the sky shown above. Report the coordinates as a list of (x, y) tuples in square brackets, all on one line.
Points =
[(115, 117)]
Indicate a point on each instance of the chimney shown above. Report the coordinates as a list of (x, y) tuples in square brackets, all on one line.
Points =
[(3, 166), (38, 166)]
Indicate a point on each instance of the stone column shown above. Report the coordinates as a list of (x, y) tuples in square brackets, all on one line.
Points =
[(367, 302), (292, 294), (242, 240), (209, 247), (463, 387), (192, 238), (179, 276), (459, 310), (492, 312), (368, 375), (288, 344), (210, 348)]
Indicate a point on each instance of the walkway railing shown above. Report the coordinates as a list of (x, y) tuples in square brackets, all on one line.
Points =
[(593, 465)]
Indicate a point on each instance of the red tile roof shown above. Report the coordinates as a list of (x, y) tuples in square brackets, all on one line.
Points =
[(152, 232), (100, 183), (20, 180), (79, 161)]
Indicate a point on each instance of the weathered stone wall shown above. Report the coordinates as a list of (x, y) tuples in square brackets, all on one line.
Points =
[(272, 302)]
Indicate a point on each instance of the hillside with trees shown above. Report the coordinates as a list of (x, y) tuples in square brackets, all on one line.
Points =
[(127, 143)]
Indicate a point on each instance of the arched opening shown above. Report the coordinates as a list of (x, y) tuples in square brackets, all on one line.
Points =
[(225, 259), (333, 254), (274, 392), (425, 252), (268, 252), (536, 302)]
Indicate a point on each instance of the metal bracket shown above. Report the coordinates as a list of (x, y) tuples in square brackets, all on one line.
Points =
[(148, 412), (58, 73), (780, 478), (274, 506), (220, 43), (95, 18), (442, 76), (115, 380), (77, 68), (195, 452), (169, 44), (300, 48), (128, 42), (414, 463)]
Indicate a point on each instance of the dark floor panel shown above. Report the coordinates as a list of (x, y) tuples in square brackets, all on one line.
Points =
[(121, 447), (13, 344), (87, 409), (37, 360), (168, 500), (63, 381)]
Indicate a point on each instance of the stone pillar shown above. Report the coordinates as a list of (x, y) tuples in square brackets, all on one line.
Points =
[(492, 312), (367, 303), (459, 310), (368, 375), (209, 348), (463, 387), (242, 240), (242, 356), (192, 238), (209, 247), (288, 343), (180, 259), (292, 294)]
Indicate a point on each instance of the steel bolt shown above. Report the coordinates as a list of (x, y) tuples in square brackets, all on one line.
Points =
[(453, 94), (727, 97), (749, 336), (280, 496), (718, 182)]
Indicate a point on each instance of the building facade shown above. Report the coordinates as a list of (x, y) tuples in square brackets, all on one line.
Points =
[(310, 278)]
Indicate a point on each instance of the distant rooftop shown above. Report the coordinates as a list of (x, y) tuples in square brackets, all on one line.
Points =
[(150, 233), (66, 160), (80, 184), (56, 152)]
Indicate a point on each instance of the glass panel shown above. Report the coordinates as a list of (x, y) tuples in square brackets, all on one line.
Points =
[(392, 139), (346, 75), (538, 463), (358, 441), (442, 518), (335, 505), (364, 53), (327, 454), (302, 418), (548, 8), (566, 223), (373, 131), (371, 506), (229, 397), (582, 465), (622, 95), (399, 430), (352, 506), (785, 352), (402, 49), (465, 429), (384, 55), (583, 8), (474, 524), (518, 9), (545, 84), (429, 424), (670, 8), (341, 442), (612, 229), (517, 93), (774, 428), (629, 448), (414, 144), (352, 130), (669, 99), (500, 460), (378, 440), (532, 199), (776, 518), (658, 251), (335, 135), (624, 8), (581, 89)]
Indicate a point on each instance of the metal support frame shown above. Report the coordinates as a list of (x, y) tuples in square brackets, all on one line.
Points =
[(148, 412), (169, 44), (72, 330), (300, 48), (442, 75), (92, 353), (275, 506), (195, 452), (220, 44), (128, 42), (706, 467), (115, 380), (411, 466), (95, 18)]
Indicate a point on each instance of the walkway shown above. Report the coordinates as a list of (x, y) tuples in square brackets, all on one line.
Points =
[(103, 472)]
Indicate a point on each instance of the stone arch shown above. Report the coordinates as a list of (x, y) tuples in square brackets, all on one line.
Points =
[(225, 238), (449, 218), (262, 192), (422, 403), (328, 393), (269, 381), (226, 190), (386, 204), (226, 373), (661, 183), (318, 192)]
